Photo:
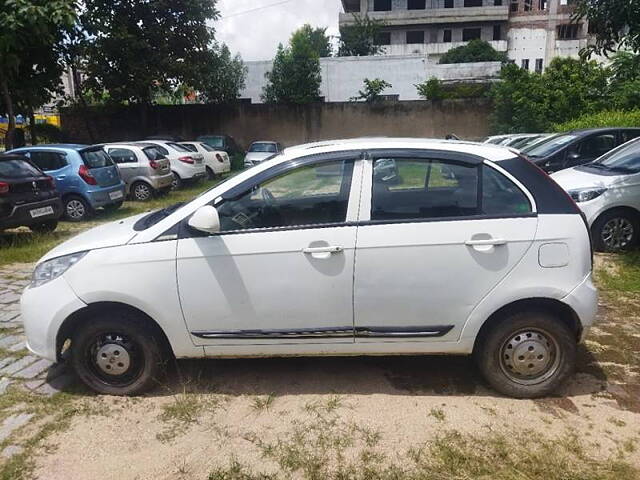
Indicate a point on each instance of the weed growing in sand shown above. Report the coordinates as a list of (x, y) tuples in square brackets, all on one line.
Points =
[(438, 414), (185, 409), (261, 404)]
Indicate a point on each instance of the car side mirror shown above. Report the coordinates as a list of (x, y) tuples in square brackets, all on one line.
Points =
[(206, 219)]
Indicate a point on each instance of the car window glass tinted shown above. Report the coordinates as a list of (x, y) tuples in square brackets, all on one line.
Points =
[(597, 145), (626, 135), (96, 159), (10, 169), (310, 195), (500, 196), (188, 146), (48, 161), (551, 145), (161, 149), (122, 155), (207, 147), (626, 158), (405, 189), (153, 153), (263, 147), (178, 147)]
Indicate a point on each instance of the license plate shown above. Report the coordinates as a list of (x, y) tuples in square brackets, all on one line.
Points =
[(115, 195), (41, 212)]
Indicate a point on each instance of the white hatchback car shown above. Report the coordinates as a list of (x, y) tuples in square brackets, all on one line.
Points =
[(216, 162), (368, 247), (186, 166), (608, 192)]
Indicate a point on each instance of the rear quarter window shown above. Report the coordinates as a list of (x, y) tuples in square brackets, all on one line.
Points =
[(500, 196)]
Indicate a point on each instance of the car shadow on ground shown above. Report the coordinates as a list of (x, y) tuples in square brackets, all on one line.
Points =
[(391, 375)]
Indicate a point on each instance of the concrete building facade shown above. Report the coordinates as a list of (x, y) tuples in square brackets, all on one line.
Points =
[(531, 32)]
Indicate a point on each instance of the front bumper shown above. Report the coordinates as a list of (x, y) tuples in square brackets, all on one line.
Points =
[(43, 310), (21, 214), (584, 301), (106, 195)]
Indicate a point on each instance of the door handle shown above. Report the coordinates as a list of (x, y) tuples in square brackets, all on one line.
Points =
[(489, 242), (61, 177), (314, 250)]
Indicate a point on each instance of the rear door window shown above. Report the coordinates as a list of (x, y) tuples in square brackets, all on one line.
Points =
[(123, 155), (48, 161), (96, 158)]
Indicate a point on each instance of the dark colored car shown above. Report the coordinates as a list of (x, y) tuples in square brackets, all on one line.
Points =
[(221, 142), (577, 147), (28, 197)]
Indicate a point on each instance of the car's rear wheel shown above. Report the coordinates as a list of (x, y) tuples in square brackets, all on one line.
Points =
[(176, 183), (44, 227), (141, 192), (616, 231), (76, 208), (527, 355), (116, 353), (211, 175)]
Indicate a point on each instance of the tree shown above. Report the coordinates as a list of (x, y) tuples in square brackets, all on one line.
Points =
[(372, 90), (295, 77), (31, 33), (615, 24), (474, 51), (360, 39), (135, 50), (316, 37), (431, 89)]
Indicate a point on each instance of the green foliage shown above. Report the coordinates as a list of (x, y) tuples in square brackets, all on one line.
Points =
[(224, 78), (606, 118), (47, 133), (474, 51), (434, 89), (616, 24), (316, 37), (372, 90), (295, 77), (569, 88), (359, 39)]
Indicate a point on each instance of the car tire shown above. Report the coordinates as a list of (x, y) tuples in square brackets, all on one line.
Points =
[(211, 175), (615, 231), (76, 208), (44, 227), (141, 192), (116, 353), (176, 183), (527, 355)]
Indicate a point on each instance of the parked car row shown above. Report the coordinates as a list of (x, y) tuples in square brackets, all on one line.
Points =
[(84, 178)]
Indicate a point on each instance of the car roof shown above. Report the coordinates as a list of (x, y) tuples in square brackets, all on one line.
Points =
[(12, 156), (489, 151), (588, 131), (61, 146)]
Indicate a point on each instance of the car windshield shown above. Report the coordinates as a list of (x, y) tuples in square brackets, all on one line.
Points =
[(625, 159), (96, 158), (16, 168), (263, 147), (178, 147), (549, 146)]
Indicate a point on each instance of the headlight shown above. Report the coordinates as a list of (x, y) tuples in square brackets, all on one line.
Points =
[(52, 269), (581, 196)]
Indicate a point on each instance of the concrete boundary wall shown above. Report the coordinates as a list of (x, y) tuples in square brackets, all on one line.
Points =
[(290, 125)]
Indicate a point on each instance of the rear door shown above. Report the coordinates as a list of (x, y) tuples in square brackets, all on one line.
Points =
[(437, 234), (101, 167), (57, 166)]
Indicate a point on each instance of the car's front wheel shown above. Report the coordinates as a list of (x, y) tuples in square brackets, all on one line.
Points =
[(527, 354), (615, 231), (116, 353), (141, 192)]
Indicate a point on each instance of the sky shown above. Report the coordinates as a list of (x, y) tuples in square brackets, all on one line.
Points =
[(253, 28)]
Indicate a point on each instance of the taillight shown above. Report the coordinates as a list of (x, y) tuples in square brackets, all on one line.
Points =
[(188, 160), (51, 182), (85, 174), (219, 157), (153, 164), (4, 188)]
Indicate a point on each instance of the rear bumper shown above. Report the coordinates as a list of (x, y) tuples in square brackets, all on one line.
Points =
[(162, 182), (102, 196), (21, 216), (584, 301)]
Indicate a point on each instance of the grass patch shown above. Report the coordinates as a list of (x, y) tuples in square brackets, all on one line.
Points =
[(625, 277), (23, 246), (261, 404), (438, 414), (184, 410)]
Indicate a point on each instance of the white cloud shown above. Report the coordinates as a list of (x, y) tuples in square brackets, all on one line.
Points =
[(255, 35)]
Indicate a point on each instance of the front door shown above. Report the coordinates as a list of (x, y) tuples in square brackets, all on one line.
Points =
[(281, 270), (441, 234)]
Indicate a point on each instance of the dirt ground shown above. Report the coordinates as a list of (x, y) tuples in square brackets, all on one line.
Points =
[(313, 417)]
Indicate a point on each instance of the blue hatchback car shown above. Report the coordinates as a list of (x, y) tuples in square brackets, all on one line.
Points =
[(85, 176)]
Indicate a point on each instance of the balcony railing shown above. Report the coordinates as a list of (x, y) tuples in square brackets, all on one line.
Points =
[(435, 15)]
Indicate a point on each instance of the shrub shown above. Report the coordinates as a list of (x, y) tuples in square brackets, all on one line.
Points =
[(474, 51), (607, 118), (434, 89), (372, 90)]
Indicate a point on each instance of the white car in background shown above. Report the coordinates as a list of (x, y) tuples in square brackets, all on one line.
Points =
[(189, 281), (186, 166), (216, 161), (260, 151), (608, 192)]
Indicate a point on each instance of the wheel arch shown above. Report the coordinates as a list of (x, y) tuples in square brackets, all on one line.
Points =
[(618, 208), (559, 309), (73, 321)]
